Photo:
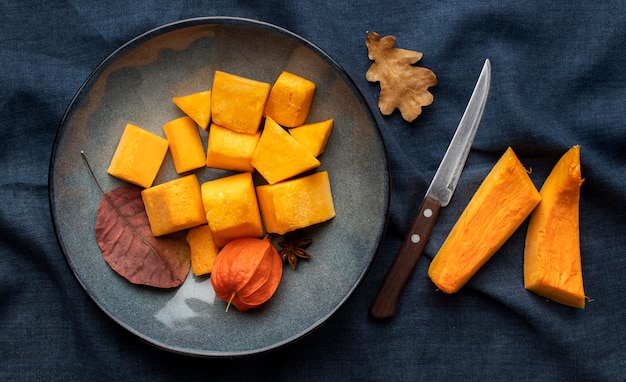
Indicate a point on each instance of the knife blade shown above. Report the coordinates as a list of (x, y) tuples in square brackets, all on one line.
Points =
[(437, 196)]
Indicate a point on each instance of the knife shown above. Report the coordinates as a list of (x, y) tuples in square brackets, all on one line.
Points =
[(437, 196)]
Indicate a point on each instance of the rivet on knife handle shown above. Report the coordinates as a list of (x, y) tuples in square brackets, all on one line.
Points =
[(386, 301)]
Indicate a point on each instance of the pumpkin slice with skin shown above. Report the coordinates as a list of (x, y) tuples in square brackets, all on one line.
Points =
[(552, 265), (502, 202)]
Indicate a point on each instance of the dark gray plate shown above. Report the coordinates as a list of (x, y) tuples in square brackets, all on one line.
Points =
[(135, 84)]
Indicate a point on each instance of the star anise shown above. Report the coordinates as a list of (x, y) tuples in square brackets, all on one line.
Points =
[(292, 249)]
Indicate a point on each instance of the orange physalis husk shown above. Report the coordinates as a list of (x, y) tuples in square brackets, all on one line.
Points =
[(246, 272)]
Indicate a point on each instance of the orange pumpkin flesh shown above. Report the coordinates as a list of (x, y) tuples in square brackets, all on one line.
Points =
[(552, 266), (246, 272), (502, 202)]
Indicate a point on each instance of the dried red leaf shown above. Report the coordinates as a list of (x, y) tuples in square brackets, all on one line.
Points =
[(128, 246)]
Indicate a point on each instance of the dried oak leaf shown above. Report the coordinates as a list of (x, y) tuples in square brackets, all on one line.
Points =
[(128, 246), (402, 85)]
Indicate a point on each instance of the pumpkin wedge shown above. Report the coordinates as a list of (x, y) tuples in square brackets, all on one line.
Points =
[(505, 198), (197, 106), (279, 156), (552, 266), (313, 136)]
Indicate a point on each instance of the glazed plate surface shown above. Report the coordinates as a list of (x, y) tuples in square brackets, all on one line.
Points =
[(135, 84)]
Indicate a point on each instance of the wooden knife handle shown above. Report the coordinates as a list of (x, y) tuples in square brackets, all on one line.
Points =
[(386, 300)]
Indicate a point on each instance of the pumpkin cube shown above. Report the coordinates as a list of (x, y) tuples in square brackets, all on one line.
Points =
[(505, 198), (174, 206), (185, 144), (290, 100), (237, 103), (313, 136), (230, 150), (197, 106), (203, 249), (296, 203), (231, 208), (279, 156), (138, 156)]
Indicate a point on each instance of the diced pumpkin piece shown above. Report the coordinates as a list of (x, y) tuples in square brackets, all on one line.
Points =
[(296, 203), (231, 208), (185, 144), (138, 156), (203, 249), (505, 198), (230, 150), (197, 106), (174, 206), (313, 136), (237, 103), (279, 156), (552, 265), (290, 100)]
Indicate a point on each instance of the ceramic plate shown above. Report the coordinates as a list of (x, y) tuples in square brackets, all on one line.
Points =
[(135, 84)]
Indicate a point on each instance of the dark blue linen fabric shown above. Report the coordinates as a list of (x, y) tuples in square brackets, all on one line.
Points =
[(559, 79)]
